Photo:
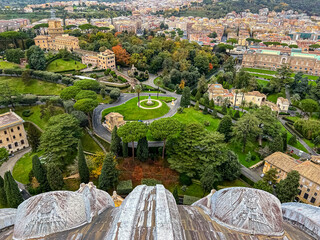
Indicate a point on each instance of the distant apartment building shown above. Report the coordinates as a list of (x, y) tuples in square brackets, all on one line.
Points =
[(56, 39), (309, 189), (297, 61), (12, 134), (13, 24), (103, 60), (123, 24)]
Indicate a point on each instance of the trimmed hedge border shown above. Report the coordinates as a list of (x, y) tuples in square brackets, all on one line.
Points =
[(150, 181), (124, 187), (189, 200), (293, 130)]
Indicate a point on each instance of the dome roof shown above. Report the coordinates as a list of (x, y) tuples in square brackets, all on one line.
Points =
[(59, 211)]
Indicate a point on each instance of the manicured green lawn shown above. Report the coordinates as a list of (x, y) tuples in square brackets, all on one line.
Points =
[(309, 142), (262, 82), (257, 70), (6, 65), (36, 87), (62, 65), (293, 118), (23, 167), (237, 149), (36, 116), (89, 145), (235, 183), (262, 76), (194, 189), (190, 115), (131, 111), (273, 97)]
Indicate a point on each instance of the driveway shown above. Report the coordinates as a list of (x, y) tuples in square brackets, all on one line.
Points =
[(8, 166)]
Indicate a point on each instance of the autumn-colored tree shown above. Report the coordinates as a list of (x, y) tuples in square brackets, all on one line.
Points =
[(210, 66), (137, 173), (122, 56), (181, 85)]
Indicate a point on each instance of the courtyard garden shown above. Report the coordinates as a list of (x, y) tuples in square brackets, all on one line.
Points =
[(131, 111), (60, 65), (34, 86)]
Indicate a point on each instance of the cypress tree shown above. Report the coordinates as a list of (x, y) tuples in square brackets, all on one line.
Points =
[(175, 194), (125, 149), (82, 165), (143, 150), (205, 110), (13, 194), (211, 104), (237, 114), (284, 139), (109, 173), (115, 142), (40, 174), (3, 196), (185, 98), (224, 109), (54, 177), (196, 107), (33, 137), (225, 127)]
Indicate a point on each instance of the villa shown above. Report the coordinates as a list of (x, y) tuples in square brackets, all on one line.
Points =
[(113, 119)]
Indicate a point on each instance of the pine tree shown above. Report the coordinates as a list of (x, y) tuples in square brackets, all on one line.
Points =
[(224, 109), (3, 196), (82, 165), (14, 197), (211, 104), (115, 142), (54, 177), (175, 194), (198, 96), (225, 127), (40, 174), (109, 173), (143, 150), (125, 149), (33, 137)]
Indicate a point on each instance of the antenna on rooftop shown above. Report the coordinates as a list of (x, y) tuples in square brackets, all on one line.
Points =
[(53, 14)]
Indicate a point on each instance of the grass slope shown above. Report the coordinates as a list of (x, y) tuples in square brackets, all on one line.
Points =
[(131, 111), (36, 87), (6, 65), (62, 65)]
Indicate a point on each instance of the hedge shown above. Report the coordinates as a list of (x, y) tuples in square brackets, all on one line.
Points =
[(293, 130), (124, 187), (150, 181), (188, 200), (122, 79)]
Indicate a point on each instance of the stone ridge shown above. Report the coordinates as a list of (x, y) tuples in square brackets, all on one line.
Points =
[(7, 217)]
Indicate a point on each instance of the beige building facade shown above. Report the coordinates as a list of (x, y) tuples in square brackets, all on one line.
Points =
[(12, 134), (103, 60), (113, 119), (56, 39), (309, 189)]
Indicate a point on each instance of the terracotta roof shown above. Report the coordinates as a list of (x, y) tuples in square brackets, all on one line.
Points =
[(309, 170), (315, 159), (282, 161), (283, 100), (256, 93)]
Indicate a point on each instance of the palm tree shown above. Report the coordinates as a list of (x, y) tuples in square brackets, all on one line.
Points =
[(243, 104), (138, 90), (243, 91), (295, 97), (157, 83)]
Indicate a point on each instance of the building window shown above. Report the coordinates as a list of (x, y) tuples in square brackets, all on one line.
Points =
[(22, 142), (313, 200), (14, 137), (5, 132), (16, 144), (11, 129), (299, 192), (9, 146), (7, 139), (308, 190), (18, 128), (306, 195), (0, 141), (20, 134)]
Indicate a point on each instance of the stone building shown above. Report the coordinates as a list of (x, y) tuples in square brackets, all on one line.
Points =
[(103, 60), (283, 104), (12, 134), (309, 190), (298, 62), (151, 212), (113, 119), (56, 39)]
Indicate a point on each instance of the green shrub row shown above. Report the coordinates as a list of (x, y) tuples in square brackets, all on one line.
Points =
[(288, 125), (150, 181), (124, 187)]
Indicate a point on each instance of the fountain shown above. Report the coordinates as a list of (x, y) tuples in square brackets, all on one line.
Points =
[(149, 102)]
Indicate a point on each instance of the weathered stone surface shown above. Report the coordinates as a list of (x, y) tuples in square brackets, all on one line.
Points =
[(59, 211), (245, 210), (7, 217), (96, 200), (305, 216)]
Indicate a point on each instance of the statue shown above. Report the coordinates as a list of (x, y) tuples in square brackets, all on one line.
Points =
[(149, 102)]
